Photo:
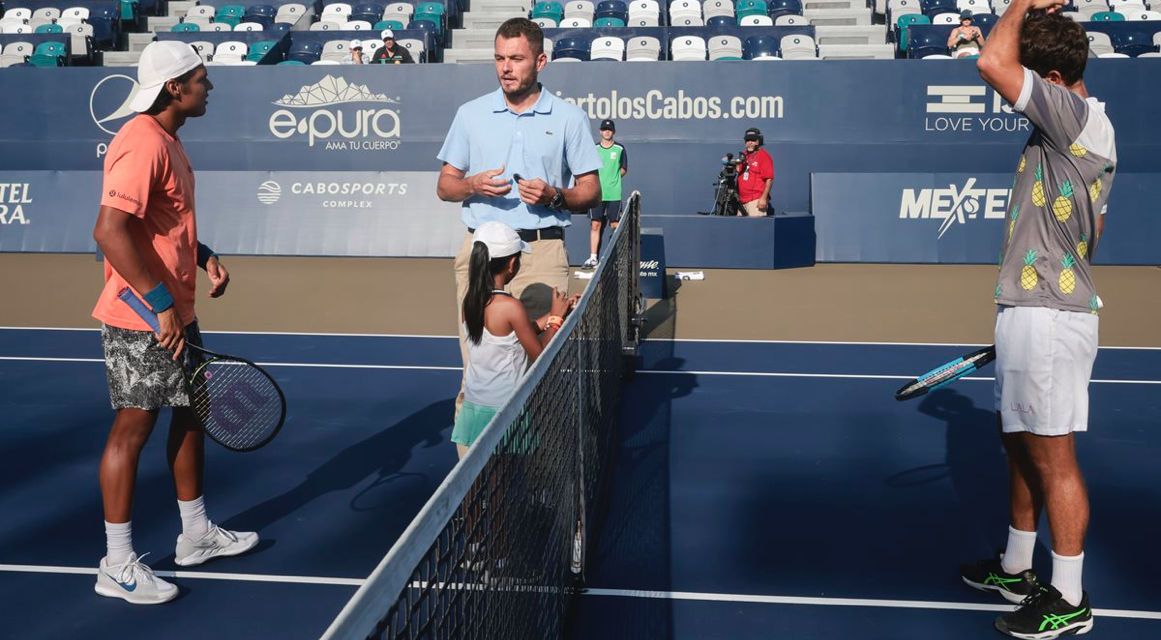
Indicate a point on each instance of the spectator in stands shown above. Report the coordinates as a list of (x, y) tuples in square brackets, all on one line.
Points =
[(391, 52), (1047, 321), (755, 175), (615, 164), (966, 39), (521, 136), (355, 54), (146, 227)]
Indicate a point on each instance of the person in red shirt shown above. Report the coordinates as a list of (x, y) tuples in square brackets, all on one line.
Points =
[(755, 175)]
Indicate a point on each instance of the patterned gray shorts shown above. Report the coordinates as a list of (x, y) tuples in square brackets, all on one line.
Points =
[(142, 374)]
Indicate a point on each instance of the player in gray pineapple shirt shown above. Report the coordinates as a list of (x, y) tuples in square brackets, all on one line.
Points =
[(1046, 326)]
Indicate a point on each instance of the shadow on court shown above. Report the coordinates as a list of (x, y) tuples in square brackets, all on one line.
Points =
[(383, 456)]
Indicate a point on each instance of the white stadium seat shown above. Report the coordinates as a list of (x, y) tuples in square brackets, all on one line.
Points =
[(607, 48), (230, 52), (643, 49), (688, 48), (725, 46)]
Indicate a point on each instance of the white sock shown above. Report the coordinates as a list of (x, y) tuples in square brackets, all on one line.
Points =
[(118, 542), (194, 523), (1018, 555), (1066, 571), (592, 256)]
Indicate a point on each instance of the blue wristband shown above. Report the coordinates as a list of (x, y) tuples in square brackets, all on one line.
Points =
[(204, 255), (159, 299)]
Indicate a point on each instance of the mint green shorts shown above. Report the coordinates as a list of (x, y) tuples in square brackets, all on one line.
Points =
[(473, 418), (470, 423)]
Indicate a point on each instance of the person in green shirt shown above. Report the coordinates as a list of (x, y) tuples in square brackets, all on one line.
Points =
[(614, 166)]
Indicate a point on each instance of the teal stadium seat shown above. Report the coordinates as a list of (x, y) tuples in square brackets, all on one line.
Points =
[(431, 7), (185, 27), (292, 63), (609, 22), (906, 21), (258, 50), (551, 10), (230, 14), (50, 28), (387, 24), (433, 18), (746, 8), (128, 10), (1107, 16), (48, 54)]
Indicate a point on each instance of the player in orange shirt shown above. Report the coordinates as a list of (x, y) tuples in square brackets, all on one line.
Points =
[(147, 230)]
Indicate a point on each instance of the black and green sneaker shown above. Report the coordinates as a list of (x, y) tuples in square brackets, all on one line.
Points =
[(1046, 614), (989, 575)]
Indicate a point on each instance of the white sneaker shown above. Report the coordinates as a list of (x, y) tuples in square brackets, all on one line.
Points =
[(591, 263), (133, 582), (217, 542)]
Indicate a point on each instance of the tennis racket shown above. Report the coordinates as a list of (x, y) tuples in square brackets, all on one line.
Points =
[(946, 374), (237, 403)]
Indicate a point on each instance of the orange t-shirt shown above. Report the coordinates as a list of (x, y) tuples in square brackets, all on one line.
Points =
[(148, 175)]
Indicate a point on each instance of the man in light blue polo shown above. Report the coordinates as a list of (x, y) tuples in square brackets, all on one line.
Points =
[(519, 135)]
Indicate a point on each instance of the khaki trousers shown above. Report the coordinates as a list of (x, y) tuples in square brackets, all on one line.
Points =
[(751, 209), (548, 263)]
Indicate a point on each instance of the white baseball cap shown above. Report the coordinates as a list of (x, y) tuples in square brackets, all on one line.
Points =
[(356, 44), (502, 241), (387, 33), (160, 62)]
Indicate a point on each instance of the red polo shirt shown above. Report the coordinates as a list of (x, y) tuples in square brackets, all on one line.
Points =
[(753, 176)]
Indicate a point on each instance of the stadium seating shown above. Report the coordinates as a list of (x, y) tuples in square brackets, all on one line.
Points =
[(798, 47), (604, 23), (262, 14), (580, 9), (722, 21), (776, 8), (688, 48), (901, 28), (975, 6), (49, 28), (387, 24), (790, 20), (1107, 16), (1099, 43), (925, 44), (570, 49), (933, 8), (305, 52), (760, 48), (185, 27), (230, 14), (607, 48), (551, 10), (15, 53), (260, 50), (982, 20), (48, 54), (1133, 43), (725, 47), (290, 13), (643, 49), (612, 9)]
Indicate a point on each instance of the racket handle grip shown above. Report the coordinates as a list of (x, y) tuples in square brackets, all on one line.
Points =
[(128, 297)]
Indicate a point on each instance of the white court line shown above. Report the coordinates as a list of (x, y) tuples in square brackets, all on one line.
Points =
[(622, 593), (858, 343), (254, 333), (197, 575), (857, 376), (708, 340), (408, 367), (846, 602), (743, 374)]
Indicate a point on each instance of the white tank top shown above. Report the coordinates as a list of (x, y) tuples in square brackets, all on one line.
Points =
[(495, 367)]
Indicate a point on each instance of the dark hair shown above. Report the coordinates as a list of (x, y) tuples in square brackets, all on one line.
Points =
[(1052, 42), (165, 98), (482, 272), (531, 31)]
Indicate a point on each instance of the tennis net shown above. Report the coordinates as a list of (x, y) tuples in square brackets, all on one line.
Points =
[(499, 550)]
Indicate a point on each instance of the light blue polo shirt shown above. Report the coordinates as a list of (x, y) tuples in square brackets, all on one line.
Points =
[(551, 141)]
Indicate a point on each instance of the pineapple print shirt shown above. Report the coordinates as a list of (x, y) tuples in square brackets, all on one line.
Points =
[(1062, 185)]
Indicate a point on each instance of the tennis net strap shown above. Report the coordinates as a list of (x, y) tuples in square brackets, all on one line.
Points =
[(499, 549)]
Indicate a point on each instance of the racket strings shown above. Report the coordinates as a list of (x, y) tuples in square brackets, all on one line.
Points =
[(237, 403)]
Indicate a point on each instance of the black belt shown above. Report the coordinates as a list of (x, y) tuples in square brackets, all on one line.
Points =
[(532, 235)]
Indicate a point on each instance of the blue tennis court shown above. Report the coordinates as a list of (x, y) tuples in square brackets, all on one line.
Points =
[(759, 490)]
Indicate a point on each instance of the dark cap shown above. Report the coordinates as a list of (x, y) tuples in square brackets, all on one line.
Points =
[(752, 134), (966, 14), (608, 124)]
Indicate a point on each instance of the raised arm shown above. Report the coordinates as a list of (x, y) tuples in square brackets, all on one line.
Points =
[(999, 64)]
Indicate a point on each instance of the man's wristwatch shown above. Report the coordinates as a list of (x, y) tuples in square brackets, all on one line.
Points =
[(557, 201)]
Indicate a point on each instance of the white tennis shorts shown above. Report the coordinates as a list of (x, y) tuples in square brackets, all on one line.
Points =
[(1044, 360)]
